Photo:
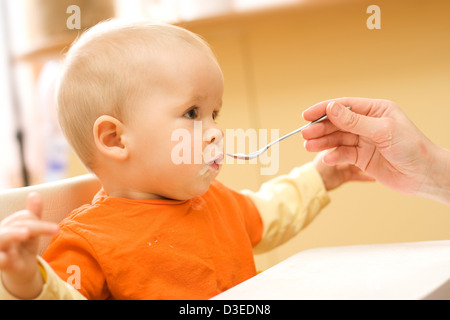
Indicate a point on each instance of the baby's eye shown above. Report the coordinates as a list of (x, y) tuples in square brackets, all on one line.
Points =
[(215, 115), (192, 113)]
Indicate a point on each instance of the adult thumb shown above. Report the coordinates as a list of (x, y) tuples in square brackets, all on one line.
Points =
[(350, 121)]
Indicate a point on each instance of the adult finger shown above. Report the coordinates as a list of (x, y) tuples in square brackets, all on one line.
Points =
[(319, 130), (364, 106), (333, 140), (347, 120)]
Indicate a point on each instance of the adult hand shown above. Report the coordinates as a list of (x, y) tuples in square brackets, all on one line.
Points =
[(377, 137)]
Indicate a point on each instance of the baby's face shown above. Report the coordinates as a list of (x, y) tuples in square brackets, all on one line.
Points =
[(176, 147)]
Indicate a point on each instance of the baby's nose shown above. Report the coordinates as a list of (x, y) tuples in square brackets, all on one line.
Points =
[(213, 135)]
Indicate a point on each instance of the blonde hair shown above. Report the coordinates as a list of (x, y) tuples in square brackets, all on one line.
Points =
[(103, 74)]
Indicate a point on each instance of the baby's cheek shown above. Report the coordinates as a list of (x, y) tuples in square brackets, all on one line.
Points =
[(185, 148)]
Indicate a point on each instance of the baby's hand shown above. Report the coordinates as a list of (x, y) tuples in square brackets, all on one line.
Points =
[(334, 176), (19, 238)]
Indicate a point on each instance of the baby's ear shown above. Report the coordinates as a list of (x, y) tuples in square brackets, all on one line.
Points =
[(109, 138)]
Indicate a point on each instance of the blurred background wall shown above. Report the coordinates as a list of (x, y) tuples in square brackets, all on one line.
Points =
[(280, 59)]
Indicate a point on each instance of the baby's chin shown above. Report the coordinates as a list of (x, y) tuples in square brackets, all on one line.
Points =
[(195, 188), (206, 177), (210, 170)]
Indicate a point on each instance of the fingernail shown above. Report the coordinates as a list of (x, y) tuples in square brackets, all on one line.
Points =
[(334, 109)]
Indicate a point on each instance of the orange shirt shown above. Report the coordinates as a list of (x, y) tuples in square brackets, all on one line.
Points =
[(158, 249)]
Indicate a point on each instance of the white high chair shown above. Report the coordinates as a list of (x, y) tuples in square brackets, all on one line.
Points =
[(59, 199)]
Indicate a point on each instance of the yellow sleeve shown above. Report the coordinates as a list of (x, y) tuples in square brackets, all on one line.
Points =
[(287, 204), (54, 288)]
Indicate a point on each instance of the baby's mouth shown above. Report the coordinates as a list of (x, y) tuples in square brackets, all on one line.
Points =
[(215, 162)]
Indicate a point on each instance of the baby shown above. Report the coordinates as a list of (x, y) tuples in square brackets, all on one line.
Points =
[(157, 229)]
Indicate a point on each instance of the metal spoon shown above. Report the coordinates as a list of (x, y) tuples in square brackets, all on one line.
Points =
[(262, 150)]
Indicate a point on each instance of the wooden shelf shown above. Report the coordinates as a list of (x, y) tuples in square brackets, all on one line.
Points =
[(56, 47), (256, 13)]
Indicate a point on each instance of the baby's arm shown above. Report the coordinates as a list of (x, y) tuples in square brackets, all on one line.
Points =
[(23, 274), (290, 202), (287, 204), (335, 176)]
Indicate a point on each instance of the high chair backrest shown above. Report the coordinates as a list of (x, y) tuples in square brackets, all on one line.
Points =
[(59, 199)]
